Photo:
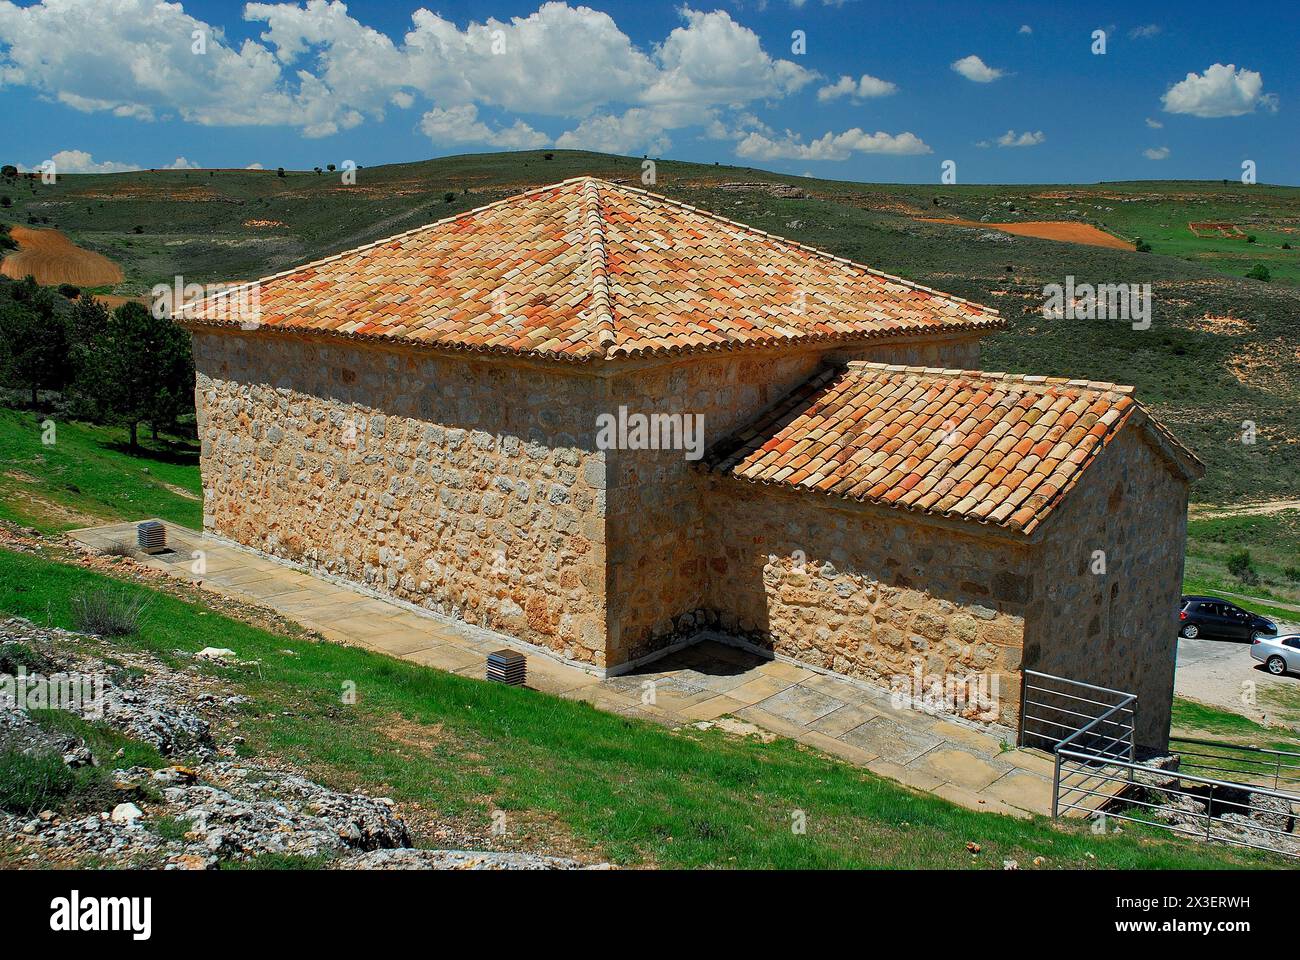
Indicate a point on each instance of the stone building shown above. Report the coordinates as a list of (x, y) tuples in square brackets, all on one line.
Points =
[(427, 416)]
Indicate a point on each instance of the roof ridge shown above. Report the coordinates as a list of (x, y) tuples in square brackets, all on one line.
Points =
[(474, 211), (598, 263), (1034, 380), (749, 228)]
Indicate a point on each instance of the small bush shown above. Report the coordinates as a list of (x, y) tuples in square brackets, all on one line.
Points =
[(1141, 246), (1259, 272), (108, 614), (448, 197), (1285, 245), (14, 655), (69, 291), (30, 783), (1250, 238), (1292, 574), (1242, 566), (119, 548)]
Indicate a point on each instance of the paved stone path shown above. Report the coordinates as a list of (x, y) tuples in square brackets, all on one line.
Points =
[(701, 683)]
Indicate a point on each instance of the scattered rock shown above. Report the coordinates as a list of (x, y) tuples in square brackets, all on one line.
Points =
[(127, 813), (459, 860), (213, 807), (220, 654)]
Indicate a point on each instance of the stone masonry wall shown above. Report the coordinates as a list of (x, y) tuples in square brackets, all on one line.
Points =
[(467, 485), (659, 536), (1116, 629), (867, 593)]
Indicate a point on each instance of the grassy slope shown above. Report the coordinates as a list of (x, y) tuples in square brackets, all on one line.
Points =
[(1203, 377), (622, 788), (88, 476), (1274, 545)]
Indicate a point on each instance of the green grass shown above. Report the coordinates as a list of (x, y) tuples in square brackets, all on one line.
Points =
[(624, 789), (1203, 722), (1214, 587), (32, 782), (1274, 544), (1192, 715), (88, 475), (111, 748)]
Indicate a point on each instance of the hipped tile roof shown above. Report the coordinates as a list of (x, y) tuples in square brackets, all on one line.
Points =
[(588, 269), (995, 448)]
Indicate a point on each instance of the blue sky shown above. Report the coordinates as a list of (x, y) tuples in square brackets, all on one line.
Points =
[(1012, 92)]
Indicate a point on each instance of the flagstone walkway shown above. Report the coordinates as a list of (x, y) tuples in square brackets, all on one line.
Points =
[(699, 684)]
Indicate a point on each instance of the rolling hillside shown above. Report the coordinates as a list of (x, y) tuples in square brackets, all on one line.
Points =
[(1222, 349)]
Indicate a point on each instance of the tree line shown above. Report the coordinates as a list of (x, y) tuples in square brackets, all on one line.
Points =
[(121, 366)]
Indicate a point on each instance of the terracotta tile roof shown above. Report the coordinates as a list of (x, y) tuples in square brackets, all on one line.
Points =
[(587, 269), (990, 447)]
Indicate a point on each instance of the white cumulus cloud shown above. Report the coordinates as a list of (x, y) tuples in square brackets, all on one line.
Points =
[(315, 67), (831, 146), (973, 68), (79, 161), (1155, 153), (1222, 91), (1026, 139), (456, 125), (863, 88)]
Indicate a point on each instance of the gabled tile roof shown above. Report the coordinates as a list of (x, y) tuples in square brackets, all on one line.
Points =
[(995, 448), (588, 269)]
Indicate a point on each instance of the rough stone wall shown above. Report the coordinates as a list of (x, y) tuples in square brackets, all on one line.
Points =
[(867, 593), (659, 538), (1118, 628), (467, 485)]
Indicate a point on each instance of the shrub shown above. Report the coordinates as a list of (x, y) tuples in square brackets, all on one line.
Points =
[(68, 291), (30, 783), (1141, 246), (1292, 574), (1285, 245), (1259, 272), (448, 197), (119, 548), (1250, 238), (1242, 566), (279, 171), (14, 655), (137, 229), (108, 614)]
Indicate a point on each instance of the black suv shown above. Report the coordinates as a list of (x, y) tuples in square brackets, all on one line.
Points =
[(1213, 617)]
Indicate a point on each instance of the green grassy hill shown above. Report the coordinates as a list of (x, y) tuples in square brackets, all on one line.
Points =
[(1222, 349)]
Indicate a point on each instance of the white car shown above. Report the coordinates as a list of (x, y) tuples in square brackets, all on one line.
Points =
[(1279, 655)]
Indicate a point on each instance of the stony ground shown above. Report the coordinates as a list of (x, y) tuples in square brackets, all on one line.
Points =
[(205, 807)]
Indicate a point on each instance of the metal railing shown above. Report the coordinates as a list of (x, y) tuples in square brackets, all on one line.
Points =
[(1083, 758), (1253, 764), (1264, 817), (1054, 708)]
